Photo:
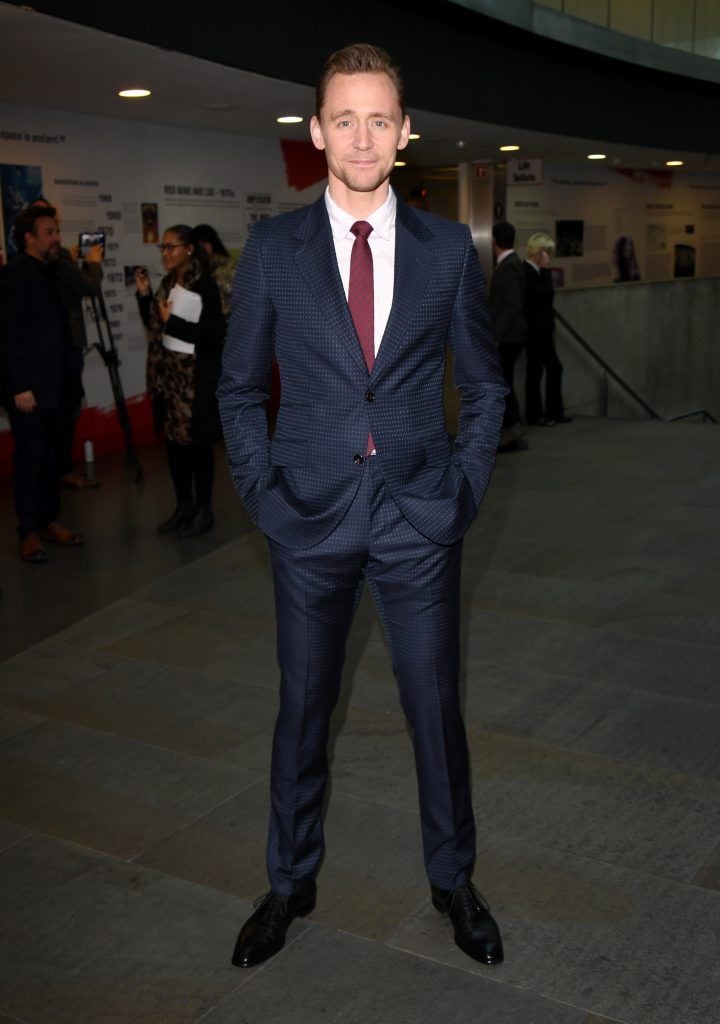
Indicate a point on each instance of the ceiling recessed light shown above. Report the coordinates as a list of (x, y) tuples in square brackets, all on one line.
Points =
[(596, 156), (413, 135), (674, 163), (134, 94), (401, 163), (289, 119), (509, 149)]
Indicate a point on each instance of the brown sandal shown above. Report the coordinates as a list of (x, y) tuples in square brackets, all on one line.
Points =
[(56, 533), (31, 549)]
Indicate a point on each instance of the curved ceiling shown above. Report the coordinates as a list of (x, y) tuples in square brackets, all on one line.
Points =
[(81, 67)]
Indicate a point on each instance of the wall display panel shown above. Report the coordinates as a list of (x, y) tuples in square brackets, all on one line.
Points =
[(633, 17), (673, 23), (132, 181), (707, 28), (595, 11), (615, 226)]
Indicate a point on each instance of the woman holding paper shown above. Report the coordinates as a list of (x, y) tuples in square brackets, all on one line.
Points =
[(185, 328)]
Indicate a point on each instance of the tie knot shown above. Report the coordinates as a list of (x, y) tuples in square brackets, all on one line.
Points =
[(361, 228)]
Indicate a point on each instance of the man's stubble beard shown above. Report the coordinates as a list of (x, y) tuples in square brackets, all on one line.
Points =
[(363, 186)]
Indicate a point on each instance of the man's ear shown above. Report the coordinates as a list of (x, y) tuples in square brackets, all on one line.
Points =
[(404, 133), (316, 133)]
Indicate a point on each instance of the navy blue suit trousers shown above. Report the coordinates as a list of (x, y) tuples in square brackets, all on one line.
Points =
[(415, 585)]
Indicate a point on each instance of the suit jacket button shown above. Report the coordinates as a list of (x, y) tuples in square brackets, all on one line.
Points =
[(358, 460), (370, 396)]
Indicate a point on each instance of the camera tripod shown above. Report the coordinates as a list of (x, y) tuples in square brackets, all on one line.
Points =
[(107, 351)]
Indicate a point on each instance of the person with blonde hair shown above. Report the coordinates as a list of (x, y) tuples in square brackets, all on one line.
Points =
[(540, 344)]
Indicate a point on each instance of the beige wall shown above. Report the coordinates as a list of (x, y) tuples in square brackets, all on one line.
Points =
[(691, 25)]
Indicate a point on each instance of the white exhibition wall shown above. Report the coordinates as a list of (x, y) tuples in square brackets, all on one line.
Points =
[(100, 172), (613, 224)]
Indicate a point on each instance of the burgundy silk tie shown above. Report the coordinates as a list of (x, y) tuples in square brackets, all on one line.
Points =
[(361, 297)]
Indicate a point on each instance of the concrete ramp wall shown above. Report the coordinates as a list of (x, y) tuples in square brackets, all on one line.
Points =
[(662, 338)]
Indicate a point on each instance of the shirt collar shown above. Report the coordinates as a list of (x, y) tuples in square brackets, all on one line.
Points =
[(382, 219), (504, 255), (534, 265)]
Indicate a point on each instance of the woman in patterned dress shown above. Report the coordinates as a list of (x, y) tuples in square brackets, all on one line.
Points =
[(185, 328)]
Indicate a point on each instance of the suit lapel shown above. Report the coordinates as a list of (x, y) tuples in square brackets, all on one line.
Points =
[(414, 260), (317, 262)]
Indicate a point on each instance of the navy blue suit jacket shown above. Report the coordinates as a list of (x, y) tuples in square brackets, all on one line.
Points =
[(289, 303)]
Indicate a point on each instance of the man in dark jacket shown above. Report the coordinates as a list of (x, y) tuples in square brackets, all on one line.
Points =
[(507, 299), (77, 278), (36, 353)]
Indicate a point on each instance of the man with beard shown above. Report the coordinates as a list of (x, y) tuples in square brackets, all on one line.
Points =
[(35, 378), (358, 296)]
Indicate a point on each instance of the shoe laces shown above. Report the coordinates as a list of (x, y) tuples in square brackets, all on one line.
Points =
[(273, 902), (267, 920), (466, 893)]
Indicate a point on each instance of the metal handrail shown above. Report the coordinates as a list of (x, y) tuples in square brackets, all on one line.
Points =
[(607, 368), (706, 415)]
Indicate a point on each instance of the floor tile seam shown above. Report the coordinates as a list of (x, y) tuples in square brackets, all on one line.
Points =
[(511, 839), (259, 970), (642, 765), (594, 581), (12, 1019), (21, 732), (132, 862), (705, 645), (670, 774), (593, 621), (516, 519), (496, 977), (129, 596), (560, 675), (200, 758), (15, 842), (505, 836), (192, 562), (130, 660), (476, 731), (178, 832)]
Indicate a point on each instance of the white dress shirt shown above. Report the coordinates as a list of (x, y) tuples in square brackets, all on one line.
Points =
[(382, 246)]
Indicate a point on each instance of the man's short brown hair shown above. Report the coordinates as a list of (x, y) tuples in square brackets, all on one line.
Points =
[(26, 221), (356, 59)]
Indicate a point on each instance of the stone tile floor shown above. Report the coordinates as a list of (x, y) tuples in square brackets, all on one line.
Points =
[(134, 745)]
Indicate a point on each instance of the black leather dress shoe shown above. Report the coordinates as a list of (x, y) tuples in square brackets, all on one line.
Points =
[(182, 515), (263, 934), (476, 932), (200, 522)]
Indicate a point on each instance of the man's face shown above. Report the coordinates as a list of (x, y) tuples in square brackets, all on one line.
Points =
[(44, 241), (361, 127)]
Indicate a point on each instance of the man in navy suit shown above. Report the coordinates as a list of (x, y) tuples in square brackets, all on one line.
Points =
[(357, 297)]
